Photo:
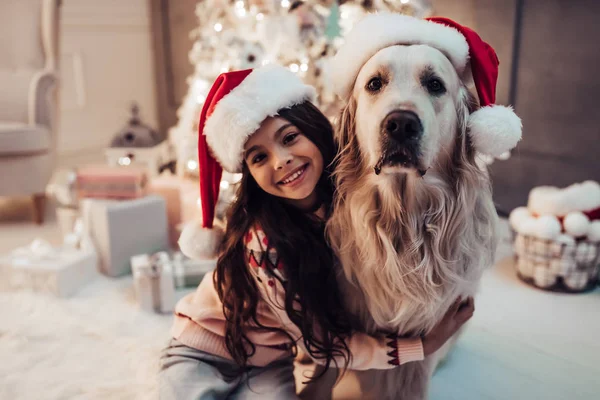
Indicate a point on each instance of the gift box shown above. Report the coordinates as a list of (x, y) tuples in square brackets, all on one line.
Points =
[(188, 272), (122, 229), (153, 282), (44, 269), (111, 182), (181, 197)]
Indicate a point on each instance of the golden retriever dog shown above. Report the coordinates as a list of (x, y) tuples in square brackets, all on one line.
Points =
[(413, 223)]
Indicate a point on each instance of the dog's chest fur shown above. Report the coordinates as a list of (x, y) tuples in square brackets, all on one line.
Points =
[(415, 250)]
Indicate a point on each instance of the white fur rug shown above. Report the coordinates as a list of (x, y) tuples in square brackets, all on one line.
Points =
[(99, 345), (95, 345)]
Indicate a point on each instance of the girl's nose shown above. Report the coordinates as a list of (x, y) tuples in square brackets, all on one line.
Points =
[(282, 161)]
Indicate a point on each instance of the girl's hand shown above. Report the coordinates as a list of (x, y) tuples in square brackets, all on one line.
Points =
[(455, 317)]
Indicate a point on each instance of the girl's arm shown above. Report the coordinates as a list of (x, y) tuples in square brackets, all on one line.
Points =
[(368, 352)]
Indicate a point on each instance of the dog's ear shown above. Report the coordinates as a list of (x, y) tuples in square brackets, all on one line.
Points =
[(346, 126), (466, 104)]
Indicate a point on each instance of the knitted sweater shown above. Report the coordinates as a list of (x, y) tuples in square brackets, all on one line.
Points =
[(200, 323)]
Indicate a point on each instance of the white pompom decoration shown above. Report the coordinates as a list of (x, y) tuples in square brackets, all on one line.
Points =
[(200, 243), (528, 226), (564, 245), (517, 216), (594, 232), (576, 224), (547, 227)]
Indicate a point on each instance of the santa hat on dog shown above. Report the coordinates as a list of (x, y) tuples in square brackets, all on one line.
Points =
[(236, 105), (493, 129)]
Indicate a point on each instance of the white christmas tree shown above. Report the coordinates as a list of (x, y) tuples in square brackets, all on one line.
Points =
[(240, 34)]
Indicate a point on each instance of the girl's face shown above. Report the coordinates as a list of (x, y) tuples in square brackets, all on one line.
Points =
[(284, 162)]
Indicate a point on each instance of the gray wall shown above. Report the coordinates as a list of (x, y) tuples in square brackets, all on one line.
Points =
[(553, 88)]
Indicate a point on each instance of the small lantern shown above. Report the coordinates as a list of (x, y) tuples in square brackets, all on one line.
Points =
[(138, 144)]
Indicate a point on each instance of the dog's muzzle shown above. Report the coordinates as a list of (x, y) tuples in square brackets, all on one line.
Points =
[(401, 135)]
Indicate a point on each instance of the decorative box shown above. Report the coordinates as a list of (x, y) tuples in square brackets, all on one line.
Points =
[(57, 271), (181, 197), (188, 272), (111, 182), (122, 229), (153, 282)]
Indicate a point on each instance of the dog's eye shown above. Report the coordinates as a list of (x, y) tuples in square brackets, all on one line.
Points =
[(374, 85), (435, 86)]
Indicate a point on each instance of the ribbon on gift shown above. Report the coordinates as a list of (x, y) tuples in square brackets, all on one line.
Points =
[(154, 272)]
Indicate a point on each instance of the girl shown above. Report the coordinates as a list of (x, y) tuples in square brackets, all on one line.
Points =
[(274, 287)]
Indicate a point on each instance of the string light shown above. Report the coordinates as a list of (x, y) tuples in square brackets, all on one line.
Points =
[(294, 67), (285, 3), (303, 67), (124, 161), (404, 1), (218, 27), (260, 16), (192, 165)]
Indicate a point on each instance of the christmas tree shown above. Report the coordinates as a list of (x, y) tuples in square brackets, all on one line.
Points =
[(240, 34)]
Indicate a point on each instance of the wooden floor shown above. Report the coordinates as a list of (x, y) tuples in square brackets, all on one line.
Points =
[(522, 343)]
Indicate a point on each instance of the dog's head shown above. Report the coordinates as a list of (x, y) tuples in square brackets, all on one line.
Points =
[(407, 110)]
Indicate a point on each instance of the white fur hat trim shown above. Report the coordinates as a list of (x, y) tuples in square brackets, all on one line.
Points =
[(239, 114), (378, 31)]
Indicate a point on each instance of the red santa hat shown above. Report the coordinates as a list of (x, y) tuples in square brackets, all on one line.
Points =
[(236, 105), (493, 129)]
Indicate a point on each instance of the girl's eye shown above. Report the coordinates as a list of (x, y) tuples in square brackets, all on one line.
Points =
[(290, 138), (258, 158)]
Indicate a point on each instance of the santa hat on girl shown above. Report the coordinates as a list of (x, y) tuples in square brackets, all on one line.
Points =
[(236, 105), (493, 129)]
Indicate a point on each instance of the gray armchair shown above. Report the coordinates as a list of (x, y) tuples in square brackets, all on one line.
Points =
[(29, 33)]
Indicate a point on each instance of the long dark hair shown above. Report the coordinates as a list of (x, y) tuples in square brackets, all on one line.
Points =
[(312, 298)]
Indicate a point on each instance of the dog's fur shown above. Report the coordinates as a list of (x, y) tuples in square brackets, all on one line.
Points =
[(409, 245)]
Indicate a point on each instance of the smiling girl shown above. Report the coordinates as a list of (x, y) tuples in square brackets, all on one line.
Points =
[(274, 287)]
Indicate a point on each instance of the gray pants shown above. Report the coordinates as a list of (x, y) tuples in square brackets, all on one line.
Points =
[(187, 373)]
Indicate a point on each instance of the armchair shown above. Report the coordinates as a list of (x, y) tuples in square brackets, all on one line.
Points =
[(29, 33)]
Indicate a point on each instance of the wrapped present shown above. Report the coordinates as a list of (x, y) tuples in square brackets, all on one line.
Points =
[(111, 182), (181, 197), (153, 282), (53, 270), (122, 229), (188, 272)]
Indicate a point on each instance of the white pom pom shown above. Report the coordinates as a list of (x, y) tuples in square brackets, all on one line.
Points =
[(494, 129), (594, 232), (525, 266), (517, 216), (547, 227), (546, 200), (586, 196), (528, 226), (576, 224), (200, 243), (543, 277), (576, 280)]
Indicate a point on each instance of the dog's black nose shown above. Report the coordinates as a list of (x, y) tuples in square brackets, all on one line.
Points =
[(402, 125)]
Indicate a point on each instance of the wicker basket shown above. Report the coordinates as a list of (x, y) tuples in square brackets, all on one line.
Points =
[(556, 266)]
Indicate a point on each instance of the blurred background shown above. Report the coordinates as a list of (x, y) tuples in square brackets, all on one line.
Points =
[(99, 102)]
